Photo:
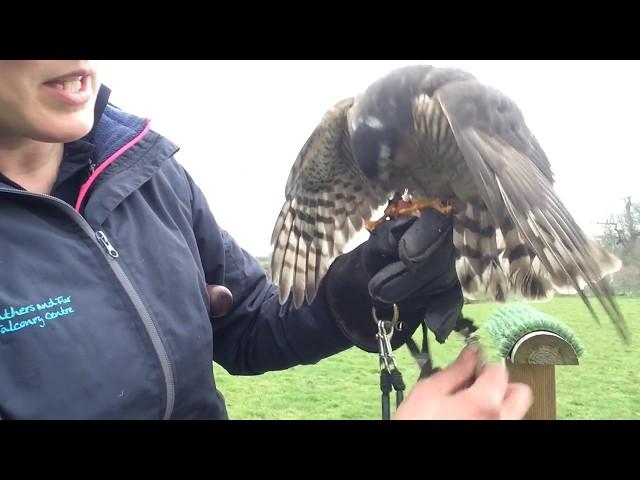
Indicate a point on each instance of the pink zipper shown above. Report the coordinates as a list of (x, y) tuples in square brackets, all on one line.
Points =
[(87, 185)]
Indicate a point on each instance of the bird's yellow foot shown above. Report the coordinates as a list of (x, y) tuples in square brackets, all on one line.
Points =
[(392, 211), (371, 225), (421, 204), (398, 207)]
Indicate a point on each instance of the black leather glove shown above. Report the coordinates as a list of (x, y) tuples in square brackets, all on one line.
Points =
[(409, 262)]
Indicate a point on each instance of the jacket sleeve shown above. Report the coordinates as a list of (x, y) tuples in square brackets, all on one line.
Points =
[(258, 334)]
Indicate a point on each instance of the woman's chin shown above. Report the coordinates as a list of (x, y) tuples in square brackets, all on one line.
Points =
[(64, 131)]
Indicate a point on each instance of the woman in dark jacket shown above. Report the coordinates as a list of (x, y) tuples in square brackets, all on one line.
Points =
[(107, 256)]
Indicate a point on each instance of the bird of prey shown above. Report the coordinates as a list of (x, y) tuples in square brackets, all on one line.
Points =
[(429, 137)]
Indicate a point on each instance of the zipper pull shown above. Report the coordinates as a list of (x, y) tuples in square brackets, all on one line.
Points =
[(102, 238), (92, 167)]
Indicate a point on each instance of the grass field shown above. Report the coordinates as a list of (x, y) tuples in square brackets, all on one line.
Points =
[(606, 385)]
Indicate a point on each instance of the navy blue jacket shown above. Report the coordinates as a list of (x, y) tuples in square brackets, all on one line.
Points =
[(103, 304)]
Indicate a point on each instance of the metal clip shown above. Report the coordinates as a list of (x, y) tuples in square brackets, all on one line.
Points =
[(384, 336), (394, 319)]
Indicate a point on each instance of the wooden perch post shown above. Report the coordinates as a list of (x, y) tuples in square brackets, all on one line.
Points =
[(532, 361)]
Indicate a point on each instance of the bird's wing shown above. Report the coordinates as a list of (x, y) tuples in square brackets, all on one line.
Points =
[(514, 178), (328, 199)]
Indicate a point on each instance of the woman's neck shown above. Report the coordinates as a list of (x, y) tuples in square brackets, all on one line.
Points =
[(31, 164)]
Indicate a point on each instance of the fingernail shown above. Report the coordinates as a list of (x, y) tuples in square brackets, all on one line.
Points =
[(468, 353), (474, 346)]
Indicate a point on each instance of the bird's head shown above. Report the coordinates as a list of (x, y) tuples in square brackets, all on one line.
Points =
[(381, 119)]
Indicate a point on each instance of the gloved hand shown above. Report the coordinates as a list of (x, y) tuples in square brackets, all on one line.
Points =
[(409, 262)]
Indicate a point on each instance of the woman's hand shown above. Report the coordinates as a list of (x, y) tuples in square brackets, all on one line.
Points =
[(455, 393)]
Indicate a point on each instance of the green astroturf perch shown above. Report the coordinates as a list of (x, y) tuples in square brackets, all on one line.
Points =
[(532, 344)]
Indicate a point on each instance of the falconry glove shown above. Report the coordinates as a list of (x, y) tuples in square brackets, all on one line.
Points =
[(409, 262)]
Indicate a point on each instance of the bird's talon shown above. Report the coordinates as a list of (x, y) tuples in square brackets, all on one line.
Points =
[(372, 225), (433, 203), (399, 207)]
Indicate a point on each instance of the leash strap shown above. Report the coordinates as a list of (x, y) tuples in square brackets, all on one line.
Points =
[(390, 375)]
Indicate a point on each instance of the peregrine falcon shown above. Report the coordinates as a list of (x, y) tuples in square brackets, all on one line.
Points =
[(428, 137)]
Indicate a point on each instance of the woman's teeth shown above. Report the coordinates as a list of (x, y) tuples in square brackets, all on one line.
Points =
[(71, 86)]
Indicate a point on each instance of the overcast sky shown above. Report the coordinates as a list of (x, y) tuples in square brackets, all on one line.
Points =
[(241, 124)]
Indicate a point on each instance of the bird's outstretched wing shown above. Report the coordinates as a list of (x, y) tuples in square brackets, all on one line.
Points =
[(515, 182), (327, 201)]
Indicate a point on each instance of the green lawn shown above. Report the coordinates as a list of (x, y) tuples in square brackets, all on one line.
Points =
[(606, 385)]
